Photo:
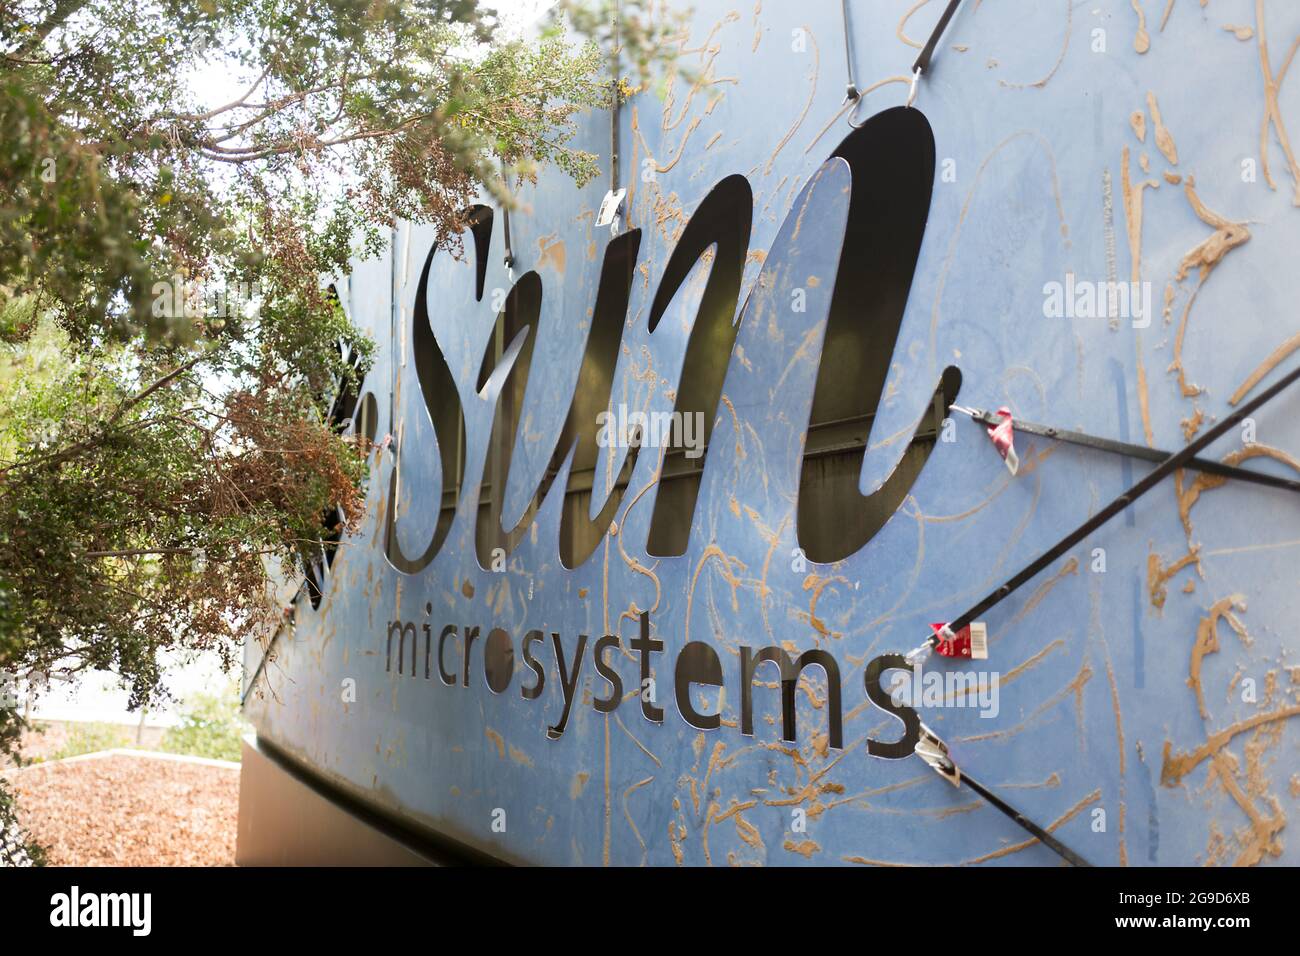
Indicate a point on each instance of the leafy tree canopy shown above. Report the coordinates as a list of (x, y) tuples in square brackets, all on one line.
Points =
[(169, 349)]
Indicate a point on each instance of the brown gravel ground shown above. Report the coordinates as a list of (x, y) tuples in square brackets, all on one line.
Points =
[(130, 811)]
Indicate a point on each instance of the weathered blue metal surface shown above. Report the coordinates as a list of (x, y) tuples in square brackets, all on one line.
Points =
[(1149, 692)]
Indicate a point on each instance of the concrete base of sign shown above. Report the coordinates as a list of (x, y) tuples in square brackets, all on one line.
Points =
[(287, 818)]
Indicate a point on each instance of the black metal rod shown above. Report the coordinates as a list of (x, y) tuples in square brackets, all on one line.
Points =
[(922, 63), (852, 92), (1207, 465), (1049, 841), (1157, 474)]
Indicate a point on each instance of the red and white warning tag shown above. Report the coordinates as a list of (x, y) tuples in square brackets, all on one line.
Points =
[(971, 641), (1004, 439)]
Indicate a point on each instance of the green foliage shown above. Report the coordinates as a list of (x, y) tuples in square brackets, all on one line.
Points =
[(168, 352), (136, 517), (17, 848), (91, 738), (117, 173), (638, 35), (211, 726)]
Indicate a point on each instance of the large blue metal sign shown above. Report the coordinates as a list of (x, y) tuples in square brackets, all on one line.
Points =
[(659, 503)]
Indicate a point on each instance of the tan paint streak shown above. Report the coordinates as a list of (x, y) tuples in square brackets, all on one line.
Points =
[(1164, 139), (748, 833), (1141, 39), (1272, 112), (1205, 256), (1060, 57), (1030, 662), (905, 80), (805, 848), (1060, 821), (1210, 252), (628, 814), (608, 799), (551, 252), (1266, 366), (1139, 123), (1207, 641), (1073, 688), (579, 782), (902, 24), (803, 114), (816, 584), (1144, 404), (865, 861), (1069, 567), (1256, 450), (644, 749), (1132, 193), (1177, 766), (1262, 831), (1159, 574), (1169, 6)]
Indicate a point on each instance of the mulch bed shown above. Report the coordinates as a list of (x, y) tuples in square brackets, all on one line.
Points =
[(130, 811)]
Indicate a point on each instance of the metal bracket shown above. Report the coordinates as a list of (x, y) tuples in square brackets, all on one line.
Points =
[(610, 207), (935, 753), (911, 91), (1206, 465)]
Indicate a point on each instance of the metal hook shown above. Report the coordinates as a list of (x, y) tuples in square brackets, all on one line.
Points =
[(854, 111), (911, 93)]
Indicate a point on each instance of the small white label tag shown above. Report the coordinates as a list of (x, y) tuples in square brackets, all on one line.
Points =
[(979, 642), (609, 207)]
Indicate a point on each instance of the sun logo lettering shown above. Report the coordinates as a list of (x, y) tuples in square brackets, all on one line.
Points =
[(886, 170)]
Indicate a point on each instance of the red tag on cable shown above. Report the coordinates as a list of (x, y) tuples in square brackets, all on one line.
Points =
[(971, 641), (1003, 437)]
